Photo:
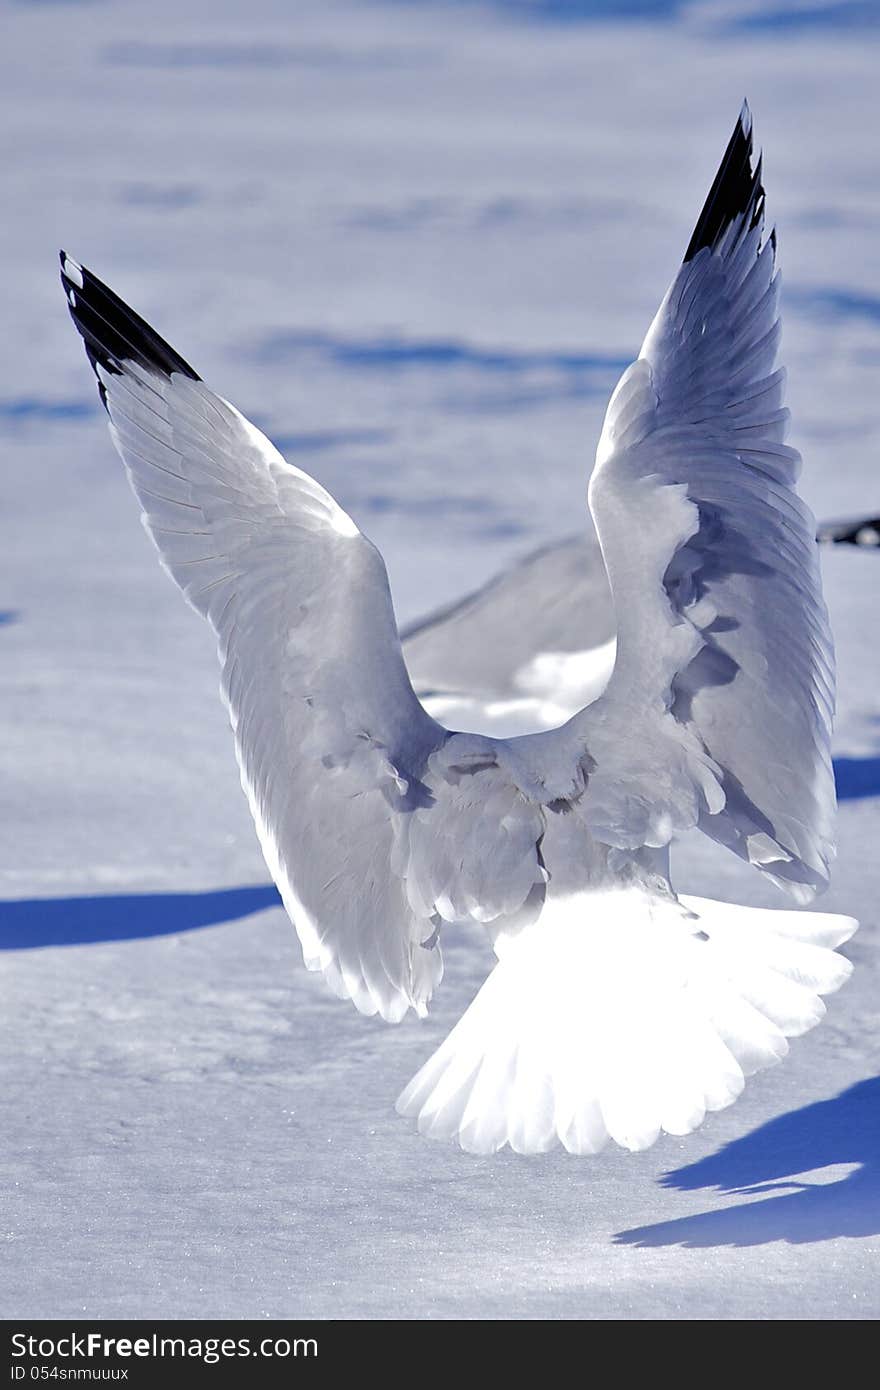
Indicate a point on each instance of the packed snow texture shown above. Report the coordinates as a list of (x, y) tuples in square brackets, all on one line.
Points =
[(416, 243)]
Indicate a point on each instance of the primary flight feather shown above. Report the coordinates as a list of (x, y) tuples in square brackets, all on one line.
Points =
[(616, 1008)]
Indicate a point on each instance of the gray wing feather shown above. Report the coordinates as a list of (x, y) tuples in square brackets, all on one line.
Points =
[(723, 691), (474, 850)]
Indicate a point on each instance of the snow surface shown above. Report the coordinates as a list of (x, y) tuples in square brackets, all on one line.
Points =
[(416, 242)]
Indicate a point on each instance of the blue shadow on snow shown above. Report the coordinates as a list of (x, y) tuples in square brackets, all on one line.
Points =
[(782, 18), (857, 778), (25, 409), (391, 353), (845, 1130), (835, 304), (30, 922)]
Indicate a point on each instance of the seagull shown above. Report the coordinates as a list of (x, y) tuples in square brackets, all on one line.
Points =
[(524, 652), (537, 642), (617, 1009)]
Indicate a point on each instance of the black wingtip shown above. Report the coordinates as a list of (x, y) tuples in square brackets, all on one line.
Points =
[(736, 190), (112, 332)]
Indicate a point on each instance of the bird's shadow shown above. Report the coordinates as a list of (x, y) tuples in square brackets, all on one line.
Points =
[(26, 923), (775, 1160)]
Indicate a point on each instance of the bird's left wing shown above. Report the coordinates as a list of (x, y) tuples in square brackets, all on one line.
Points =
[(719, 708), (331, 740)]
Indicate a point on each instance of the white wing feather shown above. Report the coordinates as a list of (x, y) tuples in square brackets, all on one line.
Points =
[(329, 735), (719, 709)]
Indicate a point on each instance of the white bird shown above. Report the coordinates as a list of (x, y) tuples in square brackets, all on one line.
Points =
[(526, 651), (616, 1008)]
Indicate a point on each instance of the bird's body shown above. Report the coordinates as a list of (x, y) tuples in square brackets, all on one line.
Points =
[(616, 1007)]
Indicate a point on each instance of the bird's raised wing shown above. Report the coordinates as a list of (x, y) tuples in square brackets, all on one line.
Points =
[(331, 740), (719, 709)]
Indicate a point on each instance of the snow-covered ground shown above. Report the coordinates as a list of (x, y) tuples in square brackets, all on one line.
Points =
[(416, 242)]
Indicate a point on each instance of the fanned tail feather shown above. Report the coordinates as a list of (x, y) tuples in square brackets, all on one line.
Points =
[(615, 1016)]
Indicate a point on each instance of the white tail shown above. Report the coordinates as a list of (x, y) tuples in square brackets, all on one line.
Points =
[(619, 1016)]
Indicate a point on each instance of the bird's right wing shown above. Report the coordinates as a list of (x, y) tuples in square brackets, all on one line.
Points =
[(331, 740), (719, 708)]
